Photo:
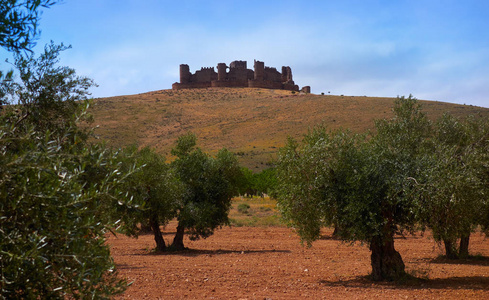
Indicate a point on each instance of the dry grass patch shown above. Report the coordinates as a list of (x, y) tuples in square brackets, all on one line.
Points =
[(253, 121), (254, 211)]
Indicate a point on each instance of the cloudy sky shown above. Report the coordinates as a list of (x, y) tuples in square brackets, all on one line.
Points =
[(432, 49)]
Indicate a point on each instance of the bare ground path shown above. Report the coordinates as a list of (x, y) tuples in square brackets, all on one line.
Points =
[(270, 263)]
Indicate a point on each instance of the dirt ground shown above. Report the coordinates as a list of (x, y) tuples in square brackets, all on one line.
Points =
[(270, 263)]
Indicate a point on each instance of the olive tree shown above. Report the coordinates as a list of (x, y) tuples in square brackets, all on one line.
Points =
[(156, 186), (209, 183), (53, 219), (48, 96), (59, 194), (453, 199), (361, 185), (19, 21), (259, 183)]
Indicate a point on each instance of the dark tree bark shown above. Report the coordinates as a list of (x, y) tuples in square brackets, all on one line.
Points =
[(463, 251), (178, 240), (386, 262), (450, 249), (155, 227), (336, 231)]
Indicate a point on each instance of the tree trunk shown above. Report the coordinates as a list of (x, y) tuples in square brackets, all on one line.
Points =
[(463, 251), (386, 262), (336, 231), (178, 240), (155, 227), (450, 249)]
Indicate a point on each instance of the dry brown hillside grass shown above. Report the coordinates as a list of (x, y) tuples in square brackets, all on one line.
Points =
[(253, 123)]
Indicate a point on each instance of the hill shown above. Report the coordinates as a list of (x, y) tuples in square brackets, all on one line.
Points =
[(253, 123)]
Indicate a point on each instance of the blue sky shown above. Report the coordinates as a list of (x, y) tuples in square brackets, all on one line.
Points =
[(433, 49)]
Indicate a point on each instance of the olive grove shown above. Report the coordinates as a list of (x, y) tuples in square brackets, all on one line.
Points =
[(408, 174)]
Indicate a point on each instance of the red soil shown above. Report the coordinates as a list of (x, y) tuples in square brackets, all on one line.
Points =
[(270, 263)]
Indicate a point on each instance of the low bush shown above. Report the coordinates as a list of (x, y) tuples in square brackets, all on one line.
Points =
[(243, 208)]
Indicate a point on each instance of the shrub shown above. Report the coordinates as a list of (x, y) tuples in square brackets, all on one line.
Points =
[(243, 208)]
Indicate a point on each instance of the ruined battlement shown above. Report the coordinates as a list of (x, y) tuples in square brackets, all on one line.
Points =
[(238, 76)]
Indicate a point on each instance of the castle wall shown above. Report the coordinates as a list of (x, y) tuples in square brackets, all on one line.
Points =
[(191, 85), (259, 70), (204, 75), (238, 76), (237, 83), (271, 74), (290, 87), (265, 84)]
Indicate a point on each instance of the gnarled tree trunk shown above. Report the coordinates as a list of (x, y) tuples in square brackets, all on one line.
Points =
[(178, 240), (450, 249), (155, 227), (386, 262), (463, 251)]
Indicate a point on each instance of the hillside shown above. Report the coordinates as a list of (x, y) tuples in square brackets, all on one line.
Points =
[(253, 123)]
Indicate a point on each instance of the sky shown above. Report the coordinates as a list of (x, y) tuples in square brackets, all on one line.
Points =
[(433, 49)]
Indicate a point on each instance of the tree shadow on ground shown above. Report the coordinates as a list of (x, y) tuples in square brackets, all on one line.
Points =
[(330, 238), (475, 260), (198, 252), (127, 267), (414, 283), (143, 233)]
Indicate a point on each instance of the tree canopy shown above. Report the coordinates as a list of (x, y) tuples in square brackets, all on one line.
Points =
[(59, 194), (155, 185), (209, 183), (453, 195), (364, 185)]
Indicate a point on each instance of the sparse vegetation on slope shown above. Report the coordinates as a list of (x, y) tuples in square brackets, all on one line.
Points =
[(253, 123)]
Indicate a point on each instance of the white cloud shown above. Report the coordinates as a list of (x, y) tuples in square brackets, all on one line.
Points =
[(368, 49)]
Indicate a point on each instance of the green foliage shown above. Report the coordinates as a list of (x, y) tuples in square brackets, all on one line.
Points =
[(59, 196), (154, 184), (209, 184), (260, 183), (19, 21), (362, 186), (48, 95), (409, 172), (245, 182), (313, 179), (453, 197), (53, 219), (18, 29), (266, 181)]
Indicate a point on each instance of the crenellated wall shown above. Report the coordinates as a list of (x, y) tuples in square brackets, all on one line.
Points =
[(237, 76)]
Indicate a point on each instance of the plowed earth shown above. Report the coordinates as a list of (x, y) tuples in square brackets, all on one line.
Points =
[(270, 263)]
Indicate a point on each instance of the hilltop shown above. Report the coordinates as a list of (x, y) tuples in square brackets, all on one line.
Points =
[(251, 122)]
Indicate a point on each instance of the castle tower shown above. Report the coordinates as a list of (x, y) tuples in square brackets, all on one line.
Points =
[(238, 64), (286, 74), (259, 70), (184, 73), (221, 71)]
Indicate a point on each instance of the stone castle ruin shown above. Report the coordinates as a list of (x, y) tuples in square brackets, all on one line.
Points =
[(238, 76)]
